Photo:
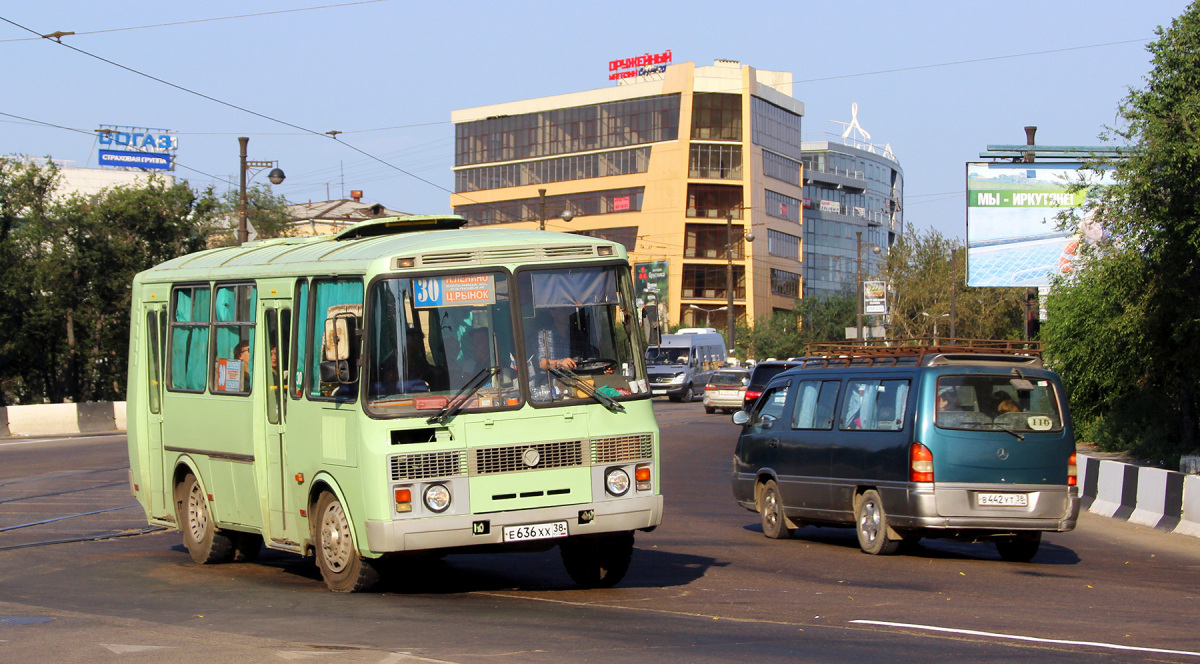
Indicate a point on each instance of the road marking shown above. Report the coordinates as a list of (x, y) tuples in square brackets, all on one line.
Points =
[(120, 649), (1034, 639)]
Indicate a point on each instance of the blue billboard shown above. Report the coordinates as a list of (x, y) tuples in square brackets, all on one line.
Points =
[(152, 160)]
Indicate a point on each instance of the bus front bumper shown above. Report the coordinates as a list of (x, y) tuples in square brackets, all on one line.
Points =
[(475, 529)]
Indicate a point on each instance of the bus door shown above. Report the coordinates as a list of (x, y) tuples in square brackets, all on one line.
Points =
[(156, 330), (278, 317)]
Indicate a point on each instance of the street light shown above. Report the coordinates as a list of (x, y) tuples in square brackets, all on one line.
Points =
[(730, 316), (935, 322), (276, 176), (565, 215), (859, 278), (707, 312)]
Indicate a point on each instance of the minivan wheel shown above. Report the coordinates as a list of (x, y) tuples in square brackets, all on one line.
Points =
[(770, 507), (1019, 549), (872, 525)]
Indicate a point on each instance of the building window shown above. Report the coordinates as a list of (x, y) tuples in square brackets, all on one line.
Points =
[(714, 201), (709, 282), (783, 245), (611, 201), (784, 283), (716, 162), (562, 169), (781, 168), (775, 128), (565, 130), (705, 241), (626, 235), (716, 116), (782, 207)]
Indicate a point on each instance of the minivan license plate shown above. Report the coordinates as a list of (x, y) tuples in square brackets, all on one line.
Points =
[(535, 531), (1002, 499)]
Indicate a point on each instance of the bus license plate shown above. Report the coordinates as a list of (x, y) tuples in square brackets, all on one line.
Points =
[(1002, 499), (535, 531)]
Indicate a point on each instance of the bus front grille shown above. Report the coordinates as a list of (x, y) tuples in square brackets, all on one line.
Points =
[(538, 456), (622, 448), (430, 464)]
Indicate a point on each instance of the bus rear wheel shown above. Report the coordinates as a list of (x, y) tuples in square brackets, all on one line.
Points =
[(206, 543), (598, 561), (342, 568)]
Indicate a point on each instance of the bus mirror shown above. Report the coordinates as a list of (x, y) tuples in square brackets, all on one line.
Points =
[(335, 371), (337, 338)]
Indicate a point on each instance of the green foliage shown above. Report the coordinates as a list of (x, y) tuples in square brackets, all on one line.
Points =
[(927, 274), (266, 213), (1123, 327), (815, 319), (67, 265)]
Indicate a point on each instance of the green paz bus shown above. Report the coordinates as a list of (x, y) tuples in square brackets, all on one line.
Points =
[(405, 385)]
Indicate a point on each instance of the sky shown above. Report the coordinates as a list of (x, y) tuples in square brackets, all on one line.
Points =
[(937, 81)]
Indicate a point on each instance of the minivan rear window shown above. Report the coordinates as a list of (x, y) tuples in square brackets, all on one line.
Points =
[(997, 402)]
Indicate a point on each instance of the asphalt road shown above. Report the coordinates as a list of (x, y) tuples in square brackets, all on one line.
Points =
[(706, 586)]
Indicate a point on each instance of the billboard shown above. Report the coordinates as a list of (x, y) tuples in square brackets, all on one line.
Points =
[(650, 285), (1012, 234), (137, 147), (875, 298)]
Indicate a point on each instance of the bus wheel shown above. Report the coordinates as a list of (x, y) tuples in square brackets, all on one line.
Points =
[(774, 521), (204, 541), (599, 561), (872, 525), (1019, 549), (342, 568)]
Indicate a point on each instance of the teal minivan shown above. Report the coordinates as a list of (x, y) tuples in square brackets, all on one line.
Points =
[(969, 442)]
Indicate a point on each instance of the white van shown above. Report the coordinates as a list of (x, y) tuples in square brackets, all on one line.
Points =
[(681, 364)]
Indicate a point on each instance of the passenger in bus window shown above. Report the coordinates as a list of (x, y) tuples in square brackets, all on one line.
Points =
[(242, 353)]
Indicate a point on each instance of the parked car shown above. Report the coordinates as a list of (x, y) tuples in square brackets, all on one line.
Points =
[(726, 390), (941, 442), (762, 374)]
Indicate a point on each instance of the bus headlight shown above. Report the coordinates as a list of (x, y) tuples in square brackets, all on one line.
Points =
[(437, 497), (616, 481)]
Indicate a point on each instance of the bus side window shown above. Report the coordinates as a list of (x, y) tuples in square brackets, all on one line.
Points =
[(337, 303)]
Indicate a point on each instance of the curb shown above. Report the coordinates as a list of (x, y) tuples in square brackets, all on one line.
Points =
[(1162, 499), (52, 419)]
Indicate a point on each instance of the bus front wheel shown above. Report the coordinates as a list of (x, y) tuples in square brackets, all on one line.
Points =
[(342, 568), (598, 561), (206, 543)]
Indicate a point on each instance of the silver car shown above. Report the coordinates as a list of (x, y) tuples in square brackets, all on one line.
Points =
[(726, 390)]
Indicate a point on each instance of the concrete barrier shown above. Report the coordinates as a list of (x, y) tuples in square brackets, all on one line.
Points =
[(1162, 499), (62, 418)]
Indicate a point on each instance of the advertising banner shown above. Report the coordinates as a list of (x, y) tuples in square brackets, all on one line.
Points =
[(160, 162), (1012, 234), (650, 294), (875, 297)]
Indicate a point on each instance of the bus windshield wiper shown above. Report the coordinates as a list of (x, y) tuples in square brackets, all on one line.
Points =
[(568, 377), (458, 401)]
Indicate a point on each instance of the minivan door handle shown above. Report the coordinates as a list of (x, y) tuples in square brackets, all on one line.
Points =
[(774, 442)]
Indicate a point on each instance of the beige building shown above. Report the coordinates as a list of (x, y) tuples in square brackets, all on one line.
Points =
[(325, 217), (672, 164)]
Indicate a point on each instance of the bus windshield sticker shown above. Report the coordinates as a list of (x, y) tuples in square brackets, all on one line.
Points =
[(461, 290)]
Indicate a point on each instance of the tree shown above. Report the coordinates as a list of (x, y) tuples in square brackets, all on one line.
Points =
[(266, 213), (66, 277), (1123, 327), (926, 271), (815, 319)]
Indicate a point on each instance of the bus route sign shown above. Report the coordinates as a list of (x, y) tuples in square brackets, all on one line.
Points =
[(460, 290)]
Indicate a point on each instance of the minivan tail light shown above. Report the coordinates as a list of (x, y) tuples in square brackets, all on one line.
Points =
[(921, 463), (1072, 471), (752, 396)]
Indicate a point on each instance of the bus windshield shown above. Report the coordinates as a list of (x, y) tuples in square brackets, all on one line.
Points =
[(429, 337), (577, 320)]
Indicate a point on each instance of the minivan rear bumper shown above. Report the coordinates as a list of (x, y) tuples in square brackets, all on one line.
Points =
[(955, 507)]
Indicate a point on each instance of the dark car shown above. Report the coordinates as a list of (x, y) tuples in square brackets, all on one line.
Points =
[(761, 375)]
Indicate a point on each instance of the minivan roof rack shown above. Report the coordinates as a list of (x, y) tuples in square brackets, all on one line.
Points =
[(922, 352)]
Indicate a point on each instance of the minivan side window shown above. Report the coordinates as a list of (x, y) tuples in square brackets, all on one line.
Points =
[(876, 405), (815, 404), (770, 405)]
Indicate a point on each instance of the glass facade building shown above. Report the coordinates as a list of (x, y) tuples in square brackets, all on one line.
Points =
[(681, 166)]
